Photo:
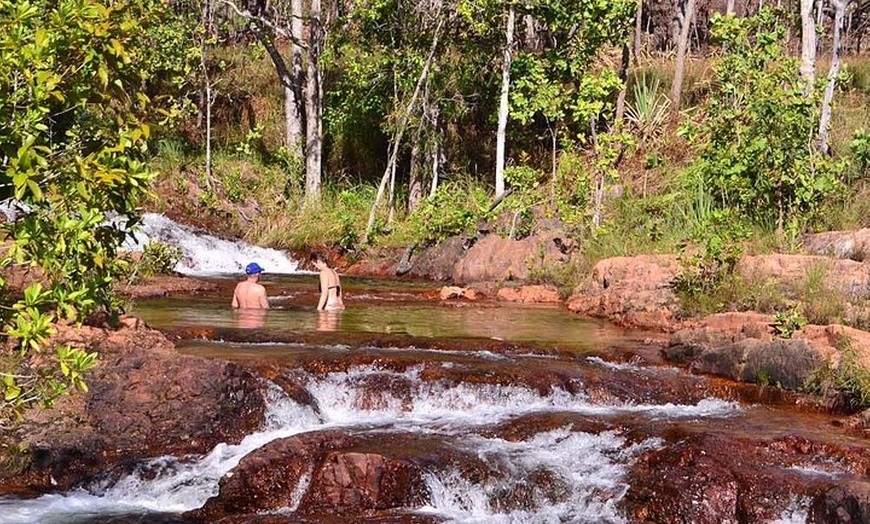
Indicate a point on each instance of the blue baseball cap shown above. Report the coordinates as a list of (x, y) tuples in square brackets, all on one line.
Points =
[(253, 268)]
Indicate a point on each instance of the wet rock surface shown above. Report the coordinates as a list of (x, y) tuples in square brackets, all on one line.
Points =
[(329, 472), (712, 479), (144, 400)]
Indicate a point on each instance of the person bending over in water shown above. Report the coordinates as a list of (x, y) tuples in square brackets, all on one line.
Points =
[(249, 293), (330, 285)]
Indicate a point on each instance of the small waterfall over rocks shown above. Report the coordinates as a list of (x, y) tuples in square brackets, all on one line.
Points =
[(204, 254)]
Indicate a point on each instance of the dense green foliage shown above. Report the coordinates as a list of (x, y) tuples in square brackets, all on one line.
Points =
[(757, 153), (74, 121)]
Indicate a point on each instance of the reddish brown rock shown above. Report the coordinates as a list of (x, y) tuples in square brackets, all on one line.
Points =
[(530, 294), (791, 272), (453, 292), (707, 479), (743, 346), (632, 291), (853, 245), (144, 400), (436, 262), (166, 285), (498, 259), (340, 475)]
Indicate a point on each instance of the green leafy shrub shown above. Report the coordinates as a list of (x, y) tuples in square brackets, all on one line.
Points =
[(755, 153), (786, 323), (709, 261), (87, 68), (454, 209), (860, 147)]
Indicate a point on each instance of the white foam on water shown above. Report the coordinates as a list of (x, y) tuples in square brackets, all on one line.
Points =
[(344, 400), (204, 254), (797, 512), (583, 480)]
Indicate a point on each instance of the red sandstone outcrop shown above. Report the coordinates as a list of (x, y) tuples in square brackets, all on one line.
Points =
[(145, 400), (854, 245), (631, 291), (499, 259), (743, 346), (327, 471)]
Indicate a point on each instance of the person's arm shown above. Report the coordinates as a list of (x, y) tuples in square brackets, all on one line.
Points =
[(236, 298), (324, 290), (264, 302)]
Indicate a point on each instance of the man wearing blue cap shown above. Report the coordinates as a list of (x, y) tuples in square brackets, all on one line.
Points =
[(249, 293)]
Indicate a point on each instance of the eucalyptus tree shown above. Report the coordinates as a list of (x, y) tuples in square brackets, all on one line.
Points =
[(808, 46), (305, 31), (685, 15), (834, 71)]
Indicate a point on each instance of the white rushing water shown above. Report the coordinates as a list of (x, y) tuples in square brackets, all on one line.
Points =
[(590, 466), (204, 254)]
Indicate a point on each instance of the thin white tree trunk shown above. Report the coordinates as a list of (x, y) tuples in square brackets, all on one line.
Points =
[(623, 77), (295, 112), (808, 46), (638, 27), (400, 131), (207, 91), (313, 108), (688, 13), (827, 101), (415, 184), (435, 116), (503, 109), (729, 8)]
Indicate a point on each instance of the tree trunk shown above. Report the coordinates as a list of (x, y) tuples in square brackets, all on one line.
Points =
[(638, 27), (808, 46), (503, 103), (825, 119), (294, 114), (207, 95), (623, 77), (435, 117), (729, 8), (532, 40), (415, 183), (400, 130), (313, 107), (688, 12)]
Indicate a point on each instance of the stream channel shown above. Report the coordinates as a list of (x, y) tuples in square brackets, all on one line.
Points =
[(554, 407)]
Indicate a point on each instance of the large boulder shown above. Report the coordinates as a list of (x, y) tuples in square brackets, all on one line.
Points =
[(711, 479), (632, 291), (493, 258), (144, 400), (854, 245), (743, 347), (326, 471)]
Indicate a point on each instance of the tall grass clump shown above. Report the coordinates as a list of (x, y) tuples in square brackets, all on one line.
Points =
[(845, 384)]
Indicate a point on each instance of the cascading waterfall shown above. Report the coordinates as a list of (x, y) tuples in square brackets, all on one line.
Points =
[(590, 466), (204, 254)]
